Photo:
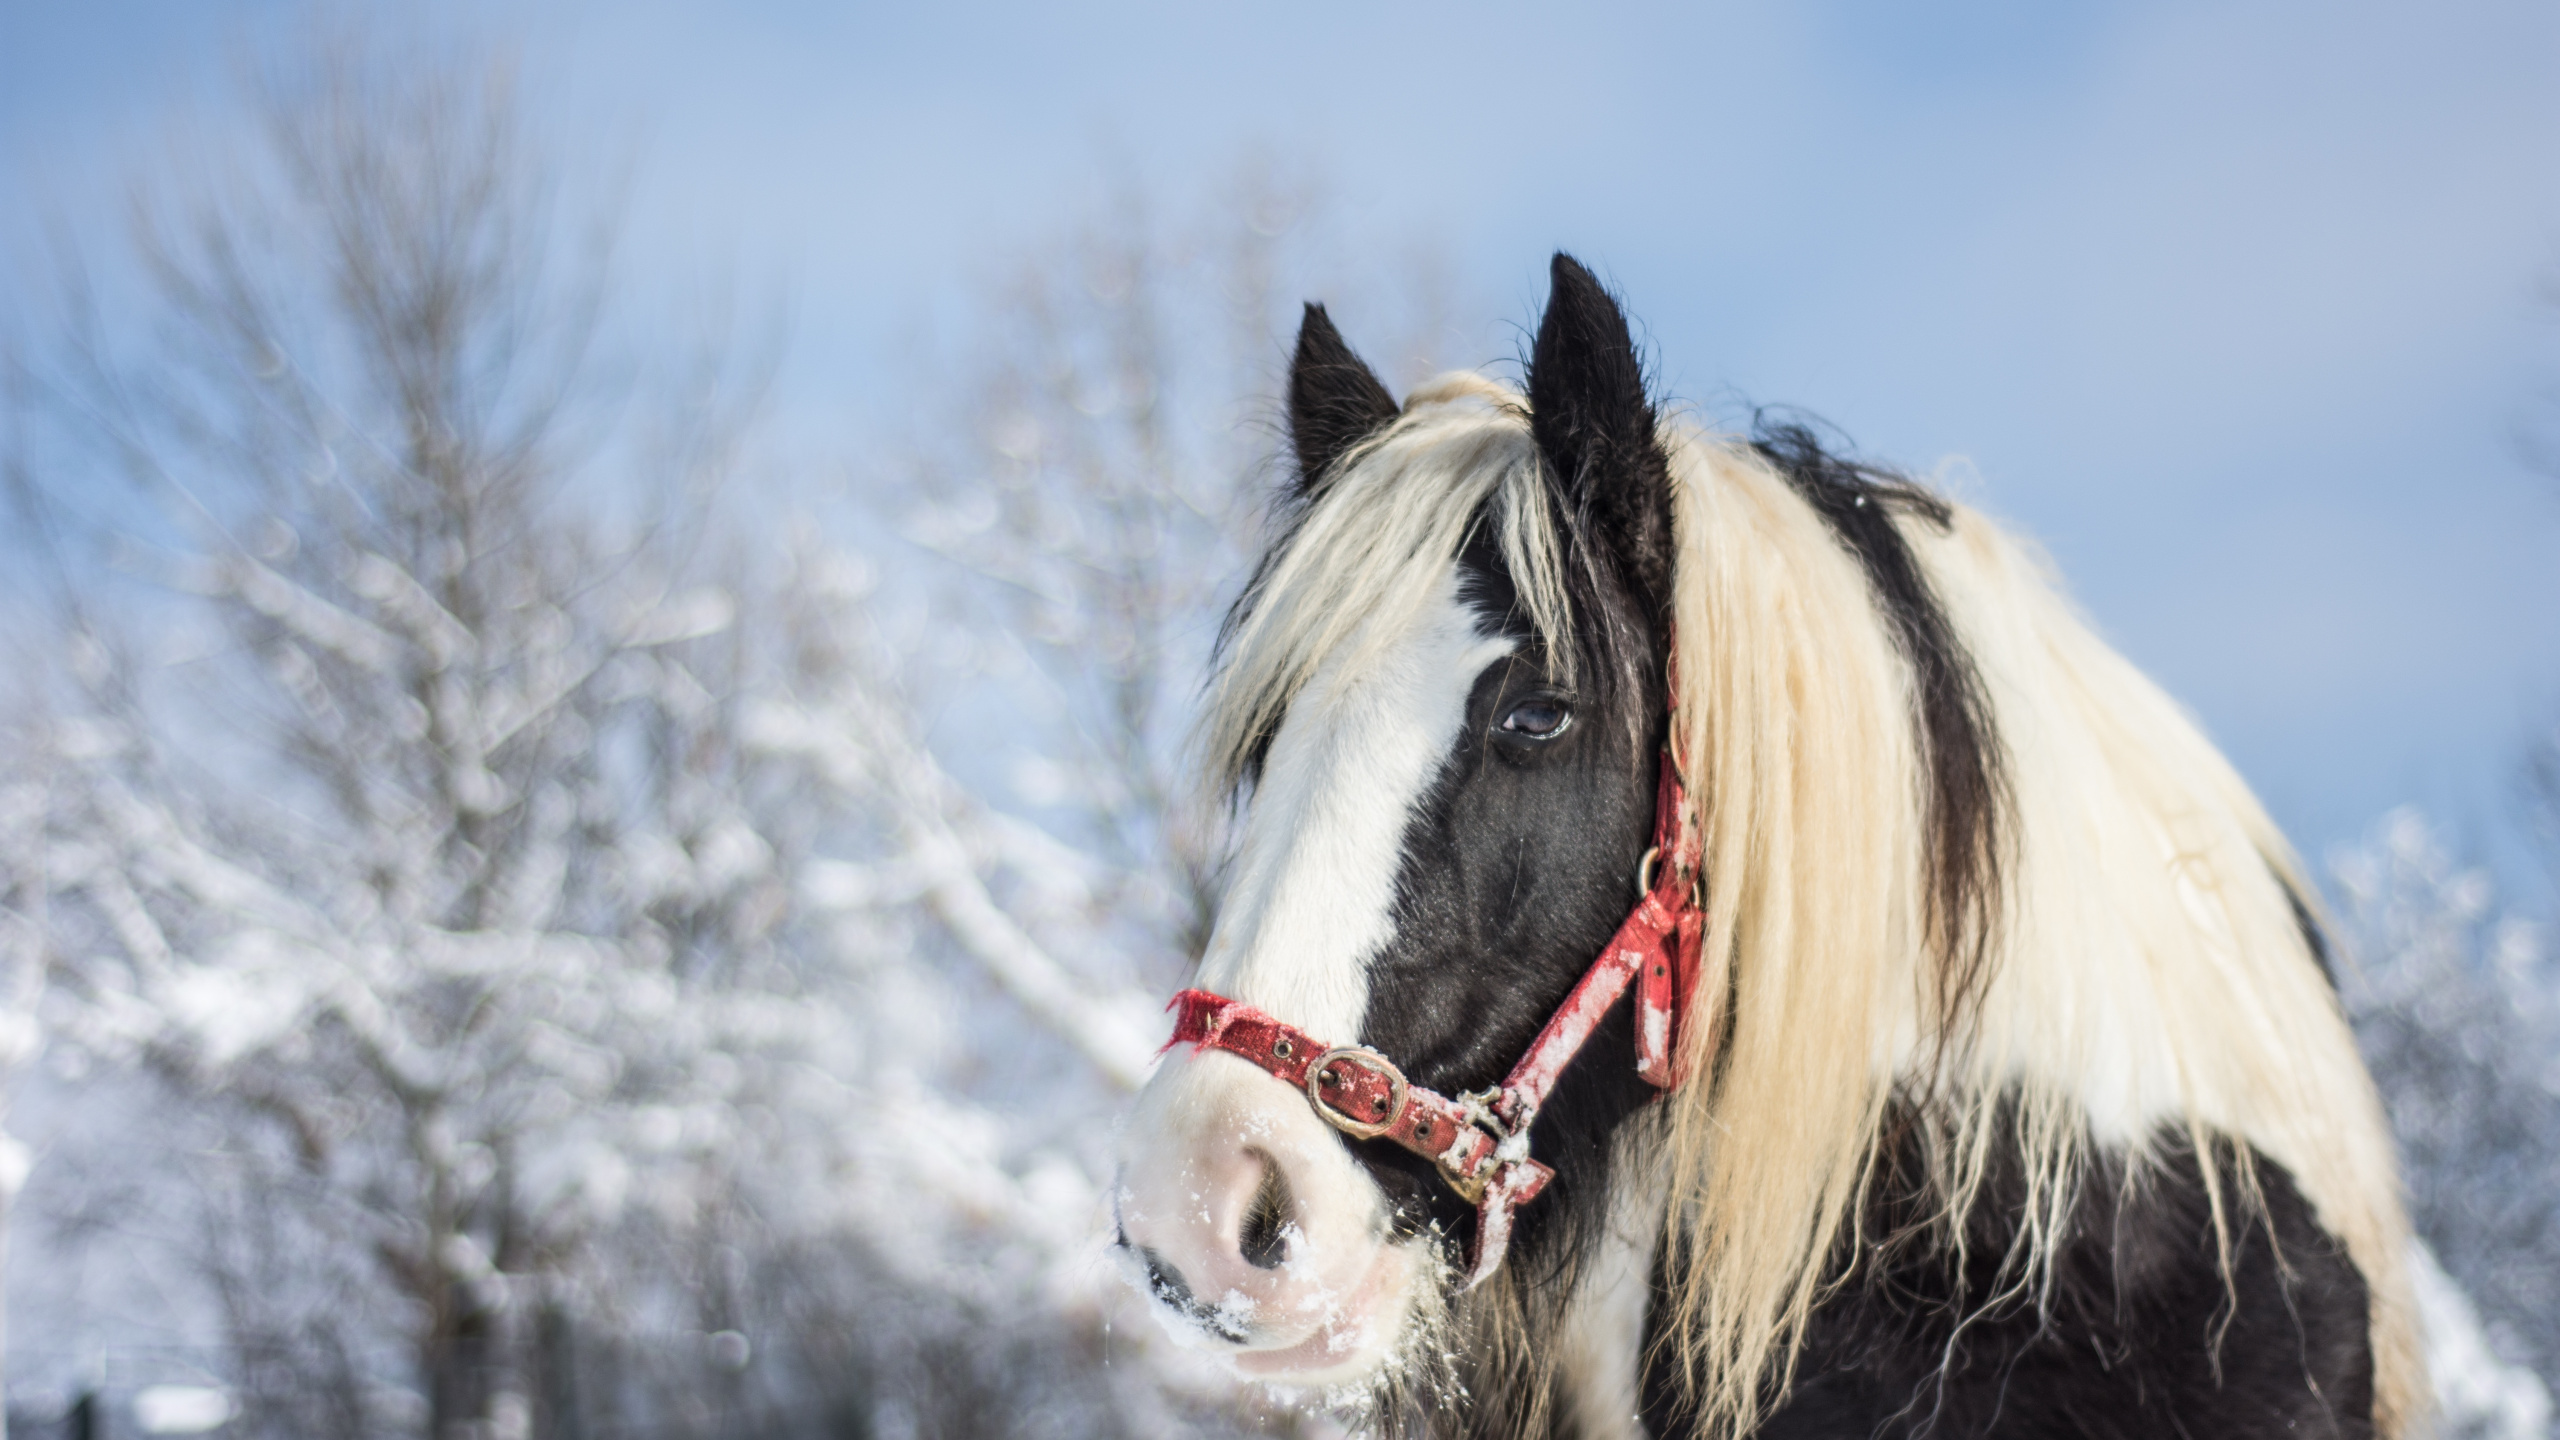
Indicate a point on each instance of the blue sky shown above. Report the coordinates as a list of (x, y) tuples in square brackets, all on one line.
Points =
[(2238, 307)]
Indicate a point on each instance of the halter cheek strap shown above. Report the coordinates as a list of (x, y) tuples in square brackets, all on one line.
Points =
[(1479, 1141)]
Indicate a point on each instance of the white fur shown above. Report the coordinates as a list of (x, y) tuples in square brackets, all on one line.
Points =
[(1192, 1156), (1600, 1374)]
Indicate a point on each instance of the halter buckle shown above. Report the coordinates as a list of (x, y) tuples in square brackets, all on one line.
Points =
[(1359, 1057), (1480, 1116)]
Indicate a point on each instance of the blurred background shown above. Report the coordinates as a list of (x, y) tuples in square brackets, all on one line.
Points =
[(599, 608)]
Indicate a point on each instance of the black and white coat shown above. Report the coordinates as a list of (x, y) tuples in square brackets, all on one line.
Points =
[(2031, 1111)]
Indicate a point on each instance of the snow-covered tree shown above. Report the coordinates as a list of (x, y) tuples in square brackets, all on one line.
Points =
[(590, 994), (1098, 476), (2458, 1011), (23, 919), (446, 874)]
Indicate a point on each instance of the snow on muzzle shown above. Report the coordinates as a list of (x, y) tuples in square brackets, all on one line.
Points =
[(1246, 1219)]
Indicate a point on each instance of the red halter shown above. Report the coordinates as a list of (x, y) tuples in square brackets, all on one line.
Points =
[(1480, 1140)]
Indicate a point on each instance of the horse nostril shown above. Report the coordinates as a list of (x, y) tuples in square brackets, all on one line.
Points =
[(1165, 1283), (1169, 1288), (1263, 1237)]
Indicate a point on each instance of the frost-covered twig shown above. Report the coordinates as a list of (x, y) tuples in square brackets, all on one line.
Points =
[(1112, 1029)]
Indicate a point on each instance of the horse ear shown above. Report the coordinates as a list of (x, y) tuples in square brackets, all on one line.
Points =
[(1592, 422), (1335, 401)]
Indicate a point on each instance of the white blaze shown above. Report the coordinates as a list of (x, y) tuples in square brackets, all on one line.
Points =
[(1313, 897)]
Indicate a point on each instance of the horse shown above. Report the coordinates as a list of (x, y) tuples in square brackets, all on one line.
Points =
[(1968, 1064)]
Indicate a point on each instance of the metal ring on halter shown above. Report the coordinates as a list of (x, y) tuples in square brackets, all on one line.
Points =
[(1644, 871), (1376, 1064)]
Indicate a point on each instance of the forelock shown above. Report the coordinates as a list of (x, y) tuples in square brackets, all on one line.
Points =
[(1357, 566)]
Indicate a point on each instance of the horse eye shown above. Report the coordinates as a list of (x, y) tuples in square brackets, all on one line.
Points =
[(1544, 718)]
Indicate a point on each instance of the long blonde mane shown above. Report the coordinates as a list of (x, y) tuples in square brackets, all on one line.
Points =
[(2144, 971)]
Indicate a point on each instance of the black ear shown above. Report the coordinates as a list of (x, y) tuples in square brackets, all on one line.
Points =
[(1335, 402), (1588, 411)]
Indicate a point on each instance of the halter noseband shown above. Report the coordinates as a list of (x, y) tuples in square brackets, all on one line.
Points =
[(1480, 1140)]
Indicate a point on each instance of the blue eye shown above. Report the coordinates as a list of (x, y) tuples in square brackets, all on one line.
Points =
[(1541, 718)]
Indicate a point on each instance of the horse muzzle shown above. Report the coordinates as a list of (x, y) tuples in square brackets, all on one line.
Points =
[(1248, 1222)]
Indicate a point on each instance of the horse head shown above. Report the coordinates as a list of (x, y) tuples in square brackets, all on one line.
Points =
[(1443, 702)]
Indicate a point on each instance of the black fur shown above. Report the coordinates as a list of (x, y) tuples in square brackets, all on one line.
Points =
[(1518, 865), (1596, 428), (1959, 745), (2138, 1338), (1521, 861), (1335, 400)]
